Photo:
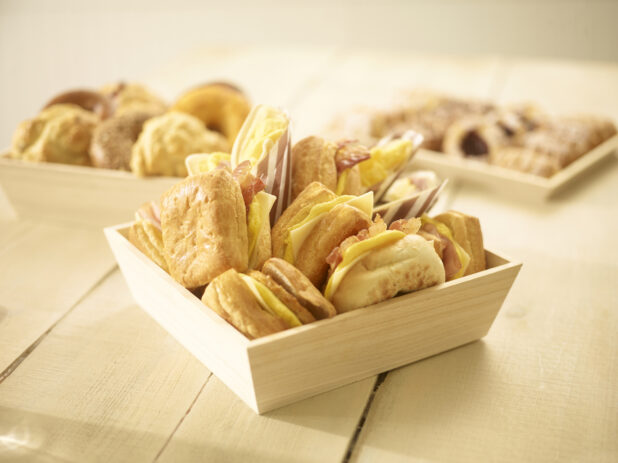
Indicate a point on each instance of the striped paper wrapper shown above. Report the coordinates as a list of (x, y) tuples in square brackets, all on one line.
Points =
[(412, 206), (275, 170), (275, 165), (416, 139)]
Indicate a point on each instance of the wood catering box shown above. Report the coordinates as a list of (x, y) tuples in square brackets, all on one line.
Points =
[(285, 367), (83, 196), (510, 182)]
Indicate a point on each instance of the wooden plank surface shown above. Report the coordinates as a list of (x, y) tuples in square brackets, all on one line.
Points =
[(44, 271), (106, 383), (542, 386)]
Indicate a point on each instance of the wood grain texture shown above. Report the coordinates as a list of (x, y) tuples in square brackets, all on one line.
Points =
[(221, 428), (542, 386), (107, 384), (75, 195), (44, 271), (279, 369)]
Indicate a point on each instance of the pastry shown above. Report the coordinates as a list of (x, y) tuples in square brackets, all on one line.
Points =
[(113, 139), (145, 234), (316, 221), (165, 142), (89, 100), (297, 284), (458, 240), (221, 107), (132, 96), (335, 165), (377, 264), (60, 133), (203, 219), (255, 304)]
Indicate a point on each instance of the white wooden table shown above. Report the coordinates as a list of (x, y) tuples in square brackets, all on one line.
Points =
[(86, 375)]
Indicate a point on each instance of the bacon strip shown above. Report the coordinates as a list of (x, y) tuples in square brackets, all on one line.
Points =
[(349, 153), (250, 185), (408, 226)]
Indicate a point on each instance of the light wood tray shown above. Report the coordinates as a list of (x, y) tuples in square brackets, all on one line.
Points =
[(285, 367), (83, 196), (510, 182)]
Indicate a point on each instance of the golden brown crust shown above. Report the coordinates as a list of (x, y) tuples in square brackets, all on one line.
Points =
[(89, 100), (335, 226), (313, 194), (297, 284), (467, 232), (288, 299), (220, 106), (353, 184), (166, 141), (313, 160), (60, 133), (204, 228), (147, 238), (230, 297)]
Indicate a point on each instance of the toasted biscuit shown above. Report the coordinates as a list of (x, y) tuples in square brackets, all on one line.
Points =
[(203, 219), (467, 232), (353, 184), (147, 238), (297, 284), (303, 315), (313, 159), (335, 226), (313, 194), (229, 296)]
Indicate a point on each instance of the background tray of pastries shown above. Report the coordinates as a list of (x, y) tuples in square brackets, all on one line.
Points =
[(92, 157), (516, 150)]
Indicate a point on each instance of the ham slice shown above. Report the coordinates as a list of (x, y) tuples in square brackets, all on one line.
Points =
[(448, 254), (250, 185)]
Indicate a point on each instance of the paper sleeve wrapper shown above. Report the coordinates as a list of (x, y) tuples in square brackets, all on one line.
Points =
[(414, 205), (274, 166), (416, 139)]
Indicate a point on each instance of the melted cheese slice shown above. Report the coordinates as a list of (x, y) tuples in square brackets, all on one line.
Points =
[(299, 232), (269, 302), (198, 163), (384, 161), (355, 253), (462, 255), (341, 181), (258, 217)]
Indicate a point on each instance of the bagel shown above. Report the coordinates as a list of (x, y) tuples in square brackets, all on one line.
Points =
[(89, 100), (221, 107)]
